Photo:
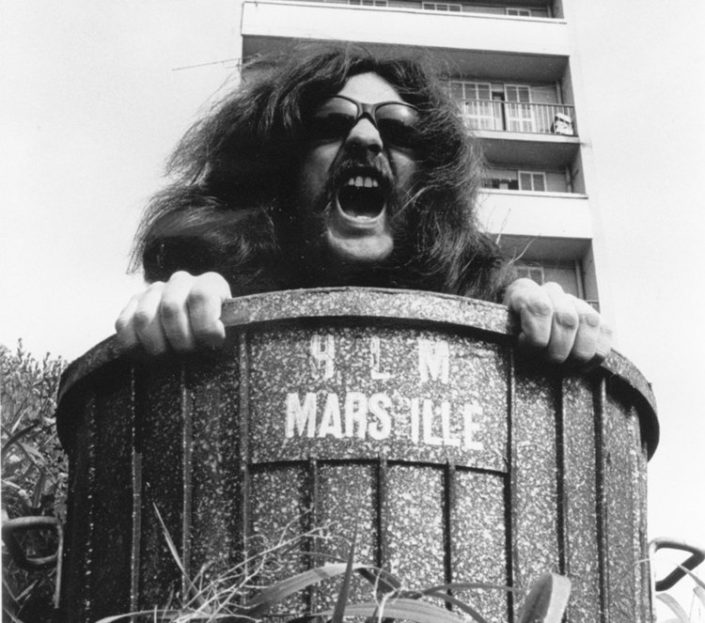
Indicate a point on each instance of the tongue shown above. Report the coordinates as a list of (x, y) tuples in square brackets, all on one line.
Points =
[(360, 202)]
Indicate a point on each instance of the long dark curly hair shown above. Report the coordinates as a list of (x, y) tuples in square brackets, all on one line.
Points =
[(230, 207)]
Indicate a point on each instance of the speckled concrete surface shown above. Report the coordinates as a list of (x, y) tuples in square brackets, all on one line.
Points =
[(402, 413)]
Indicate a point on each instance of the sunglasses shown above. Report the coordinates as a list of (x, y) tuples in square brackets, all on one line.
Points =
[(396, 122)]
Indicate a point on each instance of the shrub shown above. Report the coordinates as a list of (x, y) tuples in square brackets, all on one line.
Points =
[(34, 472)]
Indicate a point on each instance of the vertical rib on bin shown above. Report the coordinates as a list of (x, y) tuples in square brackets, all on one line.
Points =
[(579, 494), (136, 473), (110, 523), (213, 391), (186, 484), (534, 472), (160, 413), (600, 397), (623, 512)]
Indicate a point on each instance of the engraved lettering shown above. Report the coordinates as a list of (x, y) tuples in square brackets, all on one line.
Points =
[(375, 361), (300, 418), (448, 439), (415, 420), (428, 436), (379, 407), (322, 355), (330, 422), (355, 414), (434, 360), (471, 426)]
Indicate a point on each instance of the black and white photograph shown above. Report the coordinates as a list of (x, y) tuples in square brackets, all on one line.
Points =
[(334, 310)]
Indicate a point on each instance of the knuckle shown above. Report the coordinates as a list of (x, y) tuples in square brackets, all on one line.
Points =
[(141, 319), (121, 324), (216, 283), (200, 294), (552, 286), (537, 307), (590, 318), (524, 283), (180, 276), (518, 290), (169, 308), (205, 291), (567, 319)]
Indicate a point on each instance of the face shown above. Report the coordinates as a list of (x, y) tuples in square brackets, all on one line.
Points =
[(352, 182)]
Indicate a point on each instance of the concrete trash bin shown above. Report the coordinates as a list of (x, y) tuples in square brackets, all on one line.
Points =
[(406, 413)]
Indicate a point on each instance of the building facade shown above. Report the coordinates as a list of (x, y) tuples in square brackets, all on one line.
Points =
[(512, 66)]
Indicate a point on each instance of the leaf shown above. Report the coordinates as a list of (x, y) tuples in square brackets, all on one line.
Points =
[(344, 594), (175, 553), (383, 580), (674, 606), (18, 435), (160, 613), (546, 601), (461, 605), (463, 586), (408, 609), (281, 590)]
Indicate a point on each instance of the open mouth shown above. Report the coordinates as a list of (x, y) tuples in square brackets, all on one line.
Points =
[(361, 197)]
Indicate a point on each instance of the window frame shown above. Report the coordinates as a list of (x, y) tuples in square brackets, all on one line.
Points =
[(532, 175), (453, 7), (520, 11)]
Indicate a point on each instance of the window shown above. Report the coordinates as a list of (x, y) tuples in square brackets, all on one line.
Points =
[(520, 114), (567, 274), (500, 179), (514, 11), (532, 180), (476, 105), (531, 271), (367, 2), (442, 6)]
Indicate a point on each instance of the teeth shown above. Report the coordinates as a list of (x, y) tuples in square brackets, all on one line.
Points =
[(360, 182)]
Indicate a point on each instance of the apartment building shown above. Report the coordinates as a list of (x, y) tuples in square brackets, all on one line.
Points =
[(512, 68)]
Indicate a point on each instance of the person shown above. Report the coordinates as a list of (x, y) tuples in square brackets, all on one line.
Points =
[(330, 166)]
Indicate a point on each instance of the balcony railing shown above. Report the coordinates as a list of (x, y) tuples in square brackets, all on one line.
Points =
[(519, 117)]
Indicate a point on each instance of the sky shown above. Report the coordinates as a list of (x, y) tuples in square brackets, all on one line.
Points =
[(93, 96)]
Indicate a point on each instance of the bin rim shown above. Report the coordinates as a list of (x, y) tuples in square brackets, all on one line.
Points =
[(422, 307)]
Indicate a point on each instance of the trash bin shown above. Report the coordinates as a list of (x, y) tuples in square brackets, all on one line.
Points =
[(407, 414)]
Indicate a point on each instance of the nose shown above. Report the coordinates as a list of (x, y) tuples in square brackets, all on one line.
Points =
[(364, 134)]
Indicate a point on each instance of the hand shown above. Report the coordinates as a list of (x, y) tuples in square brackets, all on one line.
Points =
[(562, 326), (178, 315)]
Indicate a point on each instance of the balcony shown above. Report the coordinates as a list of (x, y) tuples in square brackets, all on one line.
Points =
[(535, 215), (522, 117), (464, 43)]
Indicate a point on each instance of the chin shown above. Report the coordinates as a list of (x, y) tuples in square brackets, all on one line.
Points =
[(359, 250)]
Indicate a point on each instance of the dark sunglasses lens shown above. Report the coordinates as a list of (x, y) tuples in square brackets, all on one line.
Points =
[(398, 124), (333, 120)]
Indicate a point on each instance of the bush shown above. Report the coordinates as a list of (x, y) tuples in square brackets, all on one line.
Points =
[(34, 472)]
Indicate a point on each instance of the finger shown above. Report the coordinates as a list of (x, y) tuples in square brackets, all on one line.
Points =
[(205, 303), (533, 306), (564, 323), (146, 320), (588, 334), (124, 327), (173, 312), (604, 342)]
